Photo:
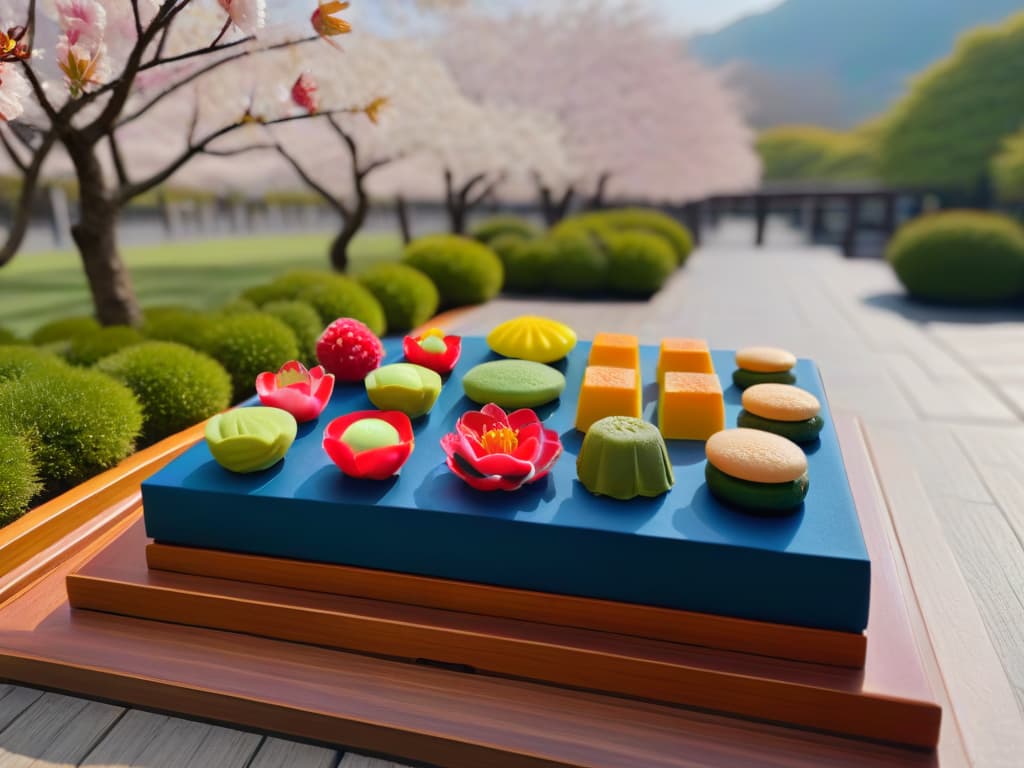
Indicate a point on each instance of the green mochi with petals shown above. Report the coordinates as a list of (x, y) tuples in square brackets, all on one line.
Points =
[(406, 387), (250, 439), (367, 434), (624, 457)]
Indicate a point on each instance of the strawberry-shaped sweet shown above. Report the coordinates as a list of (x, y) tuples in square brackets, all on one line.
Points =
[(349, 349)]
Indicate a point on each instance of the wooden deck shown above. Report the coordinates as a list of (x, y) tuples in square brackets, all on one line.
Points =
[(941, 395)]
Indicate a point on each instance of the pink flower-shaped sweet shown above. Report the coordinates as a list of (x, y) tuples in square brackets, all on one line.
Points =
[(304, 394), (492, 450)]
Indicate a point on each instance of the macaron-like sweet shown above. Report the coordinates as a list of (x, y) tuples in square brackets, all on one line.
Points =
[(756, 471), (531, 337), (513, 383), (763, 365), (624, 457), (783, 409), (406, 387), (252, 439)]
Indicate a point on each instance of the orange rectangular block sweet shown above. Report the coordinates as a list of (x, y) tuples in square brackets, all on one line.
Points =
[(685, 356), (608, 391), (619, 350), (690, 406)]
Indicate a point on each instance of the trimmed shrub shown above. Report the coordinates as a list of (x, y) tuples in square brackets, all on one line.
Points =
[(965, 257), (247, 345), (64, 329), (19, 478), (337, 296), (89, 348), (580, 265), (176, 386), (7, 337), (79, 423), (408, 296), (304, 322), (499, 226), (287, 286), (653, 222), (178, 324), (638, 263), (529, 264), (238, 306), (16, 361), (464, 271)]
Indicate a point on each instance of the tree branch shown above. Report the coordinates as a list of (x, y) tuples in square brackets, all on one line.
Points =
[(23, 212), (40, 93), (115, 154), (202, 71), (223, 31), (138, 19), (499, 179), (212, 48), (468, 186), (15, 157), (353, 150), (313, 184), (362, 173)]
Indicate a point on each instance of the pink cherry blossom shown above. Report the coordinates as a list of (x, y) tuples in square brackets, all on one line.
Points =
[(247, 15), (14, 88), (83, 23)]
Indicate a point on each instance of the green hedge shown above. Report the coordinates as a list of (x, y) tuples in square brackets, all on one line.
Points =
[(965, 257), (580, 265), (464, 271), (248, 344), (600, 224), (498, 226), (408, 296), (528, 264), (286, 286), (89, 348), (304, 322), (178, 324), (176, 385), (19, 478), (78, 423), (16, 361), (638, 263), (338, 296), (64, 329), (7, 337)]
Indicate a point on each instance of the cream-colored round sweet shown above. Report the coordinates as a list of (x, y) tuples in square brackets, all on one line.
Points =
[(782, 402), (765, 359), (760, 457)]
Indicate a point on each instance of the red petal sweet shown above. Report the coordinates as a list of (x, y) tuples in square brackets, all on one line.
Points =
[(491, 450), (349, 350), (376, 463), (304, 394), (439, 362)]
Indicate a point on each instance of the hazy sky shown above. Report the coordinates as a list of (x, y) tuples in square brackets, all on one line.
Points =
[(700, 15)]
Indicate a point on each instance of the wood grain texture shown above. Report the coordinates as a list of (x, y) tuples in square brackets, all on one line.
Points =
[(279, 753), (889, 701), (15, 699), (721, 632), (384, 707), (55, 731)]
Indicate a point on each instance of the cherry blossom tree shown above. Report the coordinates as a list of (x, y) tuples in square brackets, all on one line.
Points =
[(115, 62), (641, 119)]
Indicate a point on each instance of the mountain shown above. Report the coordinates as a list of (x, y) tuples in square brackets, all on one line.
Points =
[(838, 62)]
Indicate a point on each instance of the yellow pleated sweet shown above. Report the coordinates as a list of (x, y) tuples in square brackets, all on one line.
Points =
[(531, 337)]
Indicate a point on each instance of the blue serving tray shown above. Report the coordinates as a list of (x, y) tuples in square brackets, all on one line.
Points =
[(682, 550)]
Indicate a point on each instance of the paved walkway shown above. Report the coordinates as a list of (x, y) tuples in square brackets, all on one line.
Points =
[(941, 396)]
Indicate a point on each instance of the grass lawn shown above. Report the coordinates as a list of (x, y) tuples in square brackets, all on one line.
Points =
[(37, 287)]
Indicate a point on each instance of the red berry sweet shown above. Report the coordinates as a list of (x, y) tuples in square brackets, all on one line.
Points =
[(349, 349)]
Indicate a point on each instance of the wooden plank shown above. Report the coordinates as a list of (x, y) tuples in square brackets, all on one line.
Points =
[(360, 761), (997, 455), (15, 699), (955, 398), (279, 753), (55, 731), (151, 740), (721, 632), (983, 700)]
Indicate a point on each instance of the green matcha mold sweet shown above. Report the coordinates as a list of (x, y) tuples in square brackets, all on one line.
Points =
[(624, 457), (250, 439)]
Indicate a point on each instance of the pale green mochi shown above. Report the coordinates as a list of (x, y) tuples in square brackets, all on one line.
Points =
[(250, 439)]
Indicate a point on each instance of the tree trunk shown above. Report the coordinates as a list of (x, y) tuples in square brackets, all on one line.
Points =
[(596, 201), (353, 222), (456, 215), (95, 234), (403, 219)]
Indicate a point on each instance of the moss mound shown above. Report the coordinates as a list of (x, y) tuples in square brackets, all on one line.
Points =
[(19, 478), (638, 263), (286, 286), (498, 226), (304, 322), (178, 324), (409, 298), (79, 423), (580, 265), (529, 265), (965, 257), (63, 329), (238, 306), (7, 337), (176, 385), (16, 361), (247, 345), (338, 296), (622, 220), (464, 271), (89, 348)]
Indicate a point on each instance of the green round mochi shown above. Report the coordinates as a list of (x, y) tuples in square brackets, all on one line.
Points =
[(367, 434), (513, 383), (250, 439), (406, 387), (797, 431), (743, 378), (624, 457), (758, 498)]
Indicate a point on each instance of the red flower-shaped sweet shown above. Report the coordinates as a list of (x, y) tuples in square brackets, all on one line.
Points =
[(433, 350), (492, 450), (375, 463), (304, 394)]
